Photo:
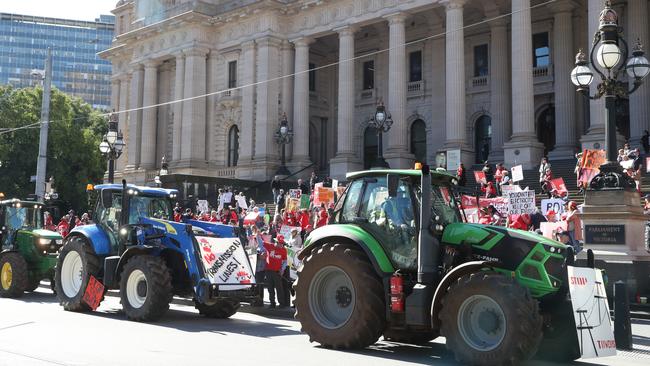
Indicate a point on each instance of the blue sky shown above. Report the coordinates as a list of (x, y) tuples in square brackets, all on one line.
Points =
[(67, 9)]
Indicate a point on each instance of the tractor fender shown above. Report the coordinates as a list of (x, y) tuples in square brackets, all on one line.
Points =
[(353, 235), (95, 236), (448, 280)]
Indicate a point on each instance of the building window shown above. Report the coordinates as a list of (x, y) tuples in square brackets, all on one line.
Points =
[(415, 66), (419, 140), (312, 77), (232, 74), (369, 147), (369, 75), (481, 60), (541, 50), (233, 146)]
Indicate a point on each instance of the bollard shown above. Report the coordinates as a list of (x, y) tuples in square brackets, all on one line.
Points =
[(590, 259), (622, 325)]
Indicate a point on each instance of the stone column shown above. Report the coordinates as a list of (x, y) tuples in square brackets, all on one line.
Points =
[(595, 137), (178, 106), (122, 120), (286, 90), (563, 59), (345, 160), (135, 118), (499, 87), (211, 107), (437, 131), (456, 123), (247, 134), (193, 126), (267, 117), (640, 99), (164, 113), (115, 92), (523, 148), (398, 154), (149, 116), (301, 103)]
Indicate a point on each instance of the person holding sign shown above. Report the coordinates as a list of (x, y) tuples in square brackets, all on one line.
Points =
[(276, 263)]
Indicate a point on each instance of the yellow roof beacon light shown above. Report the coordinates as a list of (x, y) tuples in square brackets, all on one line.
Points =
[(90, 187), (418, 165)]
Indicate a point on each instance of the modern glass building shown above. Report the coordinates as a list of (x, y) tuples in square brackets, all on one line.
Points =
[(76, 68)]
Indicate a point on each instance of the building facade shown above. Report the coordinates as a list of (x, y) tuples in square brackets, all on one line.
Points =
[(489, 79), (76, 68)]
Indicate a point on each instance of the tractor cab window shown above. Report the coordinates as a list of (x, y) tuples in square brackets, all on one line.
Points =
[(443, 206), (110, 217), (153, 207), (18, 217), (392, 220), (352, 200)]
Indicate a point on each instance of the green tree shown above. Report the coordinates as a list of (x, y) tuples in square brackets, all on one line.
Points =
[(74, 160)]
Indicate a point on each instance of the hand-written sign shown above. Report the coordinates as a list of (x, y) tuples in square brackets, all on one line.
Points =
[(605, 234), (555, 204), (295, 193), (522, 202), (226, 262), (94, 293)]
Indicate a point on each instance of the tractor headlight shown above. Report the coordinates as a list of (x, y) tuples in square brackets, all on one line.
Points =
[(44, 241), (123, 232)]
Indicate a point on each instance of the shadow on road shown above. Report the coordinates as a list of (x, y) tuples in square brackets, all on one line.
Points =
[(42, 296), (431, 353)]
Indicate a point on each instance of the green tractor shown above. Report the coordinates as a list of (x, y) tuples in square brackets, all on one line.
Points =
[(28, 253), (401, 261)]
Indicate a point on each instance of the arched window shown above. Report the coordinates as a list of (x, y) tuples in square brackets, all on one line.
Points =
[(546, 129), (482, 138), (233, 146), (419, 140), (369, 147)]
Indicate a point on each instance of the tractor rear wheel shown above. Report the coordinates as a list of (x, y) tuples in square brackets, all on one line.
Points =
[(13, 275), (339, 298), (76, 263), (489, 319), (222, 309), (145, 288)]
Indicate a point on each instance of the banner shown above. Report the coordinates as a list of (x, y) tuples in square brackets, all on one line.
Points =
[(226, 263), (251, 218), (285, 231), (555, 204), (479, 177), (522, 202), (295, 193), (517, 173), (507, 188), (471, 210), (586, 175), (593, 159), (558, 185), (323, 195), (591, 312)]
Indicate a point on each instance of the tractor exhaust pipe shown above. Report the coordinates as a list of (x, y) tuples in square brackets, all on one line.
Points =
[(428, 245)]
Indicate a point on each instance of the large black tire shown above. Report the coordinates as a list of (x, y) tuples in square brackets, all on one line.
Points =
[(13, 275), (222, 309), (404, 336), (520, 327), (69, 299), (560, 341), (145, 288), (367, 317)]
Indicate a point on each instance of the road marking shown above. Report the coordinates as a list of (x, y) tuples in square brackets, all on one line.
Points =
[(34, 358), (16, 325)]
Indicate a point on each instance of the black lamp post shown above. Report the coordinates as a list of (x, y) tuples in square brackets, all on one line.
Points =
[(609, 57), (381, 122), (112, 145), (283, 136), (164, 170)]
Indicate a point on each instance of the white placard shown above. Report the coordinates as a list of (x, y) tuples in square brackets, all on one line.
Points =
[(335, 183), (285, 231), (453, 160), (226, 263), (591, 312), (522, 202), (241, 201), (202, 206), (507, 188), (517, 173), (554, 204)]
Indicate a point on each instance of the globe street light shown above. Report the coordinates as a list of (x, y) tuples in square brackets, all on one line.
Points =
[(607, 53), (283, 136), (112, 145), (380, 121)]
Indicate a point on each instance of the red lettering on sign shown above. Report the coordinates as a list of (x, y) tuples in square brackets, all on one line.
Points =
[(578, 281), (611, 344), (94, 293)]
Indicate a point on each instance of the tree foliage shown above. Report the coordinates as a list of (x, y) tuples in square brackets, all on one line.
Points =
[(73, 160)]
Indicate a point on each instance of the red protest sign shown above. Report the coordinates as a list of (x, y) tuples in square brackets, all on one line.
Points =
[(559, 186), (593, 159), (479, 176), (94, 293)]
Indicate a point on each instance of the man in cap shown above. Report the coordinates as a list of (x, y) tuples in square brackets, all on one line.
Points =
[(276, 263)]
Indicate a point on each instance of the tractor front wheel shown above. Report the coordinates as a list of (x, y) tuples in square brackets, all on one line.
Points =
[(489, 319), (222, 309), (145, 288), (339, 298), (13, 275), (76, 263)]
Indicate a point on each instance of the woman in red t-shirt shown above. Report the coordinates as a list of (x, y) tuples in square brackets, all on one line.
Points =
[(322, 216)]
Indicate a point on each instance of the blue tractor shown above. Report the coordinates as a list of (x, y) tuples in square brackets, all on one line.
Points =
[(136, 248)]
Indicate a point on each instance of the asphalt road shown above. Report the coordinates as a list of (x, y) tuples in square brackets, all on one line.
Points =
[(34, 330)]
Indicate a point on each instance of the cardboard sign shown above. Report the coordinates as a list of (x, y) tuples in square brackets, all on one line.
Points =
[(293, 262), (323, 195), (558, 185), (304, 201), (479, 177), (591, 312), (507, 188), (94, 293), (292, 204), (517, 173), (522, 202), (226, 263), (285, 231), (593, 159), (202, 206), (453, 160), (335, 183), (295, 193), (549, 229), (555, 204), (241, 202), (471, 210), (251, 218)]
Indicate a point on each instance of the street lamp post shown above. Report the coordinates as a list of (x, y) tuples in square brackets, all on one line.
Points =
[(41, 165), (283, 136), (164, 170), (608, 55), (380, 121), (112, 145)]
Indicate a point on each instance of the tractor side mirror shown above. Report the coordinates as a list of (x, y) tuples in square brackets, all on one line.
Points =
[(107, 198), (393, 183)]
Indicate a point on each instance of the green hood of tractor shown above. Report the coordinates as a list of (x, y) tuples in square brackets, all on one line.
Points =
[(47, 234)]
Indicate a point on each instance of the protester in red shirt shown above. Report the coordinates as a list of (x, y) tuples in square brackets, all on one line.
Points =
[(490, 191), (322, 216), (48, 222), (177, 215), (229, 217), (64, 226), (276, 262), (213, 216), (303, 219)]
